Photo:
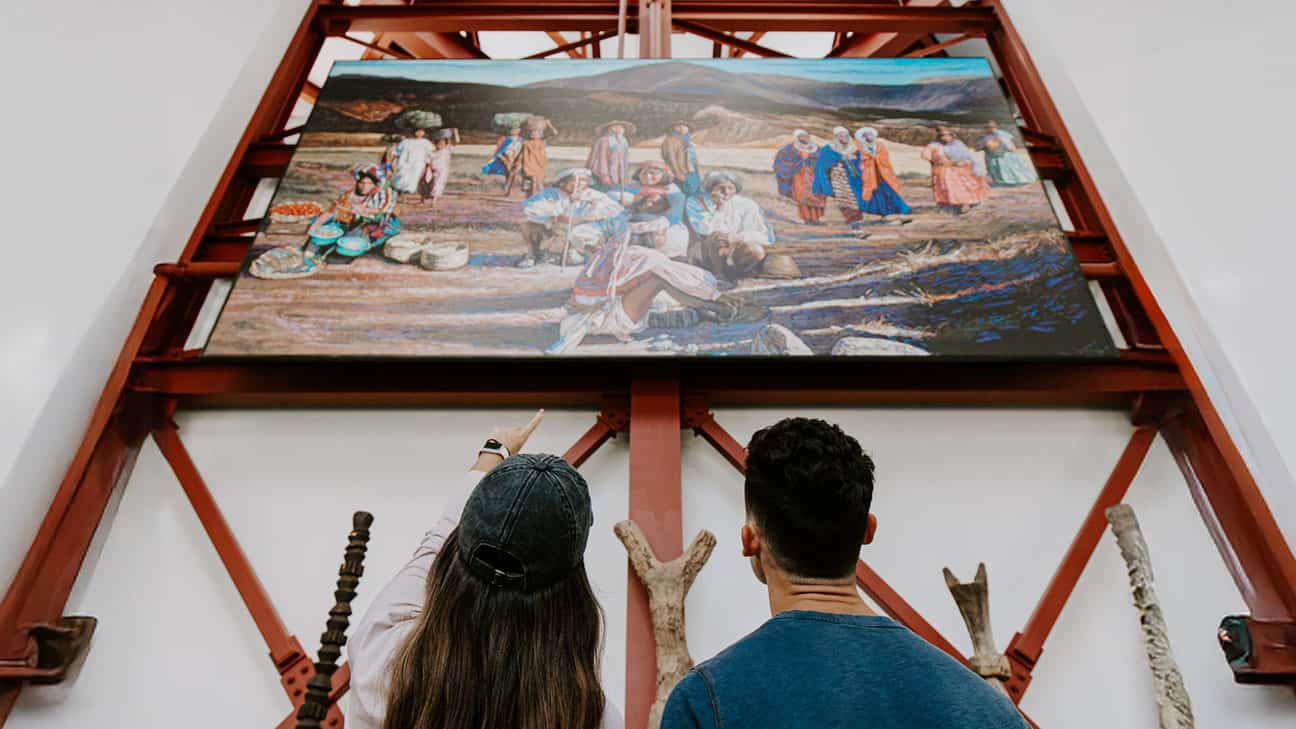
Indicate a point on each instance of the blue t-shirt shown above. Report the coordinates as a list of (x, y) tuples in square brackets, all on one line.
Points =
[(810, 669)]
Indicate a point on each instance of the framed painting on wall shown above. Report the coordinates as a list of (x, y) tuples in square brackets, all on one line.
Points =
[(749, 208)]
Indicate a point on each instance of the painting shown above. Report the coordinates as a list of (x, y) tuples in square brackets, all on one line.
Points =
[(626, 208)]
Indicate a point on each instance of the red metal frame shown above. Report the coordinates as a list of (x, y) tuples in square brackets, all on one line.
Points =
[(153, 374)]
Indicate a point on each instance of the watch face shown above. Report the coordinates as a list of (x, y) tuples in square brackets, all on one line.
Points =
[(492, 443)]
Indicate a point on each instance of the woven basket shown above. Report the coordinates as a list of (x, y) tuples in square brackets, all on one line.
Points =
[(405, 247), (285, 263), (444, 256), (281, 218)]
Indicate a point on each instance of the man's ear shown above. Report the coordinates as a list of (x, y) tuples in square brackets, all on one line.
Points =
[(751, 541), (870, 530)]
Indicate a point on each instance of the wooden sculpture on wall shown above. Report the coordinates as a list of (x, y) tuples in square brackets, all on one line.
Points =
[(667, 584), (316, 706), (973, 600), (1171, 695)]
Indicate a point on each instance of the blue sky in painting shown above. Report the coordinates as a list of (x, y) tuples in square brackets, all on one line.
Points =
[(884, 71)]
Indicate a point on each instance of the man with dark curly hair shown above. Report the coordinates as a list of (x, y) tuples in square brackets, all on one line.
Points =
[(824, 659)]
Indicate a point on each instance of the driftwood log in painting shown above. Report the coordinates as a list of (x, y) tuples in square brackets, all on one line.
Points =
[(1171, 695), (973, 600), (667, 584)]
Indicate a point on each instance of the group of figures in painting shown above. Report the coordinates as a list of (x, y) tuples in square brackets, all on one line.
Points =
[(663, 226)]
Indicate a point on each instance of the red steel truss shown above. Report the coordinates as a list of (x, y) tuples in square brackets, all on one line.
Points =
[(651, 401)]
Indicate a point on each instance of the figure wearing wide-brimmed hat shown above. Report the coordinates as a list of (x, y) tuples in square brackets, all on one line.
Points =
[(609, 157), (680, 155), (570, 210), (730, 231)]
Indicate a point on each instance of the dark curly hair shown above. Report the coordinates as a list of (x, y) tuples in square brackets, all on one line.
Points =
[(808, 490)]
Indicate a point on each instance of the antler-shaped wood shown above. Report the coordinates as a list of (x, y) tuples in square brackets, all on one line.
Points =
[(315, 708), (667, 583), (1171, 695), (973, 600)]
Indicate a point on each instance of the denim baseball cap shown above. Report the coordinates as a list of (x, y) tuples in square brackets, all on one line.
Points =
[(525, 526)]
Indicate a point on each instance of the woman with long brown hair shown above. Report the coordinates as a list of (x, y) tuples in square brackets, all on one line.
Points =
[(493, 623)]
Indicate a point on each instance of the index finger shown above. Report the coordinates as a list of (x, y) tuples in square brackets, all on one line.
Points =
[(535, 421)]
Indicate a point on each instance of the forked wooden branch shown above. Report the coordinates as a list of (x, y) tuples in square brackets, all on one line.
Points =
[(1171, 695), (973, 600), (667, 584)]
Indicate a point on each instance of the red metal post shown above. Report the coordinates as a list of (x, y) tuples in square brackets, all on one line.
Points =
[(1243, 528), (1025, 647), (656, 506)]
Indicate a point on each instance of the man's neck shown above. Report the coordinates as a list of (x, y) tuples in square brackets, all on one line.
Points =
[(834, 597)]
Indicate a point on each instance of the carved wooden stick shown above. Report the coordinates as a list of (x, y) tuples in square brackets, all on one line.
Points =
[(667, 583), (973, 600), (1171, 695), (316, 706)]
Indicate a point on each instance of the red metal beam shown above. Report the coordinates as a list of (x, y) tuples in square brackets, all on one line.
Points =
[(656, 506), (480, 15), (1025, 647), (1244, 530), (733, 41), (591, 41), (902, 612), (40, 588), (213, 382), (938, 47), (888, 43), (393, 52), (284, 648), (754, 38), (614, 418)]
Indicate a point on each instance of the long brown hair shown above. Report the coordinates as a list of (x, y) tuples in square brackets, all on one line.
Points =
[(483, 657)]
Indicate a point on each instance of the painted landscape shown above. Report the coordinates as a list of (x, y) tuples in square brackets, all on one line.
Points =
[(677, 212)]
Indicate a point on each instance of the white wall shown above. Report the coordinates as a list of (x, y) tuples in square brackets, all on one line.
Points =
[(1178, 111), (102, 128)]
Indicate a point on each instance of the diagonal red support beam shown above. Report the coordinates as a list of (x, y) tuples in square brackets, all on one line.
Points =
[(284, 648), (733, 41), (612, 419), (286, 652), (938, 47), (1025, 647), (592, 41), (868, 45)]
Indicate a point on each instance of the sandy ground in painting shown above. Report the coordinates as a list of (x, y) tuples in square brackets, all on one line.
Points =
[(942, 283)]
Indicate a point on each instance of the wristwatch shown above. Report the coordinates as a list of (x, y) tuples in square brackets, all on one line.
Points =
[(494, 447)]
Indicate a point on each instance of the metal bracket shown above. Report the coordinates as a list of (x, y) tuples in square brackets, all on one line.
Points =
[(57, 647), (1259, 651)]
